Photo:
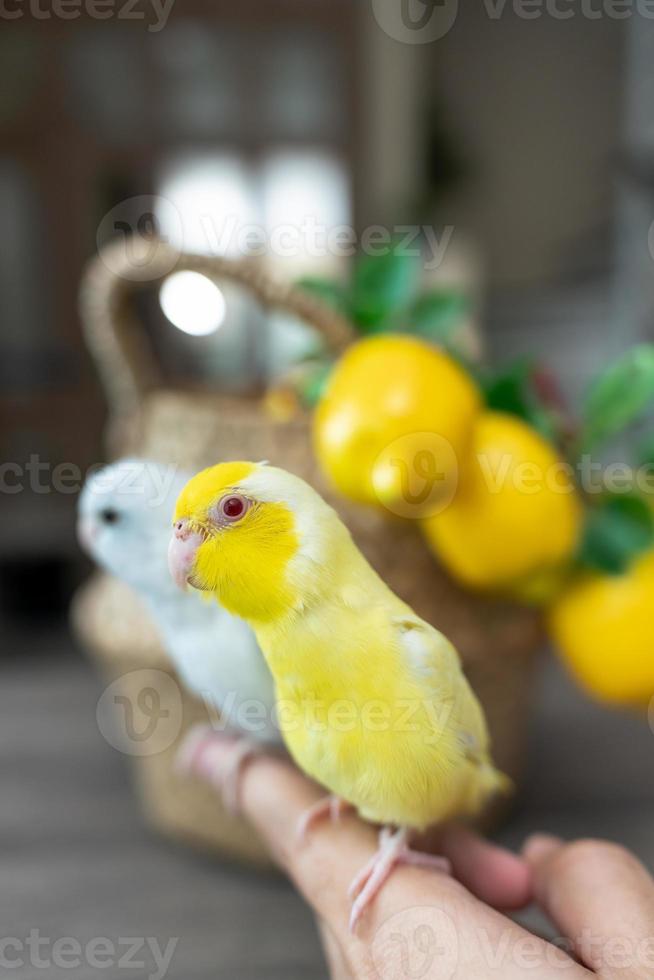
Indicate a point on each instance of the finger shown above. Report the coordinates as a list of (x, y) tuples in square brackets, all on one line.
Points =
[(493, 874), (274, 796), (338, 967), (601, 897), (486, 944)]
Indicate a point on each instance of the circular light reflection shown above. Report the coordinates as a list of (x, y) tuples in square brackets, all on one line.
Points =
[(192, 303)]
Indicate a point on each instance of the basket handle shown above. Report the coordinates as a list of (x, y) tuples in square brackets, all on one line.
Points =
[(124, 359)]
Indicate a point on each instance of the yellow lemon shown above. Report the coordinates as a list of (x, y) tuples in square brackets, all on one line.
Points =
[(604, 629), (516, 518), (394, 421)]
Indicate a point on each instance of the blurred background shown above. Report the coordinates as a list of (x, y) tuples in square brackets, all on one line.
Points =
[(525, 143)]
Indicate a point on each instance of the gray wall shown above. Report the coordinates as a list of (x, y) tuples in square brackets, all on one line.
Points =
[(535, 104)]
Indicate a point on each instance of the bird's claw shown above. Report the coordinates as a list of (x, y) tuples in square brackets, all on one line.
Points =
[(393, 850), (331, 807)]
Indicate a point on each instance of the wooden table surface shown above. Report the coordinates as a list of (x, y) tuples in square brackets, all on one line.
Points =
[(77, 861)]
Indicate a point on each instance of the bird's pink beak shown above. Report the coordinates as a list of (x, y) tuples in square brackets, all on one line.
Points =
[(182, 551)]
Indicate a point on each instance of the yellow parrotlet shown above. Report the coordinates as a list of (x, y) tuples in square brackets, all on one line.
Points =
[(372, 700)]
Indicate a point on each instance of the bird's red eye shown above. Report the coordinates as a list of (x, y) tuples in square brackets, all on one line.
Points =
[(233, 507)]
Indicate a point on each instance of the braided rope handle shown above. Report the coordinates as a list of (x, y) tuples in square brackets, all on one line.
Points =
[(119, 346)]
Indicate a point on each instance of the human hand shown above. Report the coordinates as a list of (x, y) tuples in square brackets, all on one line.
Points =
[(429, 925)]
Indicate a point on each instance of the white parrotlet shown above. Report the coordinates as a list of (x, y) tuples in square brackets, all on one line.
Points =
[(124, 517)]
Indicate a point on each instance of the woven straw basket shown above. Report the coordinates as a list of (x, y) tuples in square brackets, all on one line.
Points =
[(496, 641)]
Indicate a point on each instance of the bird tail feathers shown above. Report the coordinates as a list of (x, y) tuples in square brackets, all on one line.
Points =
[(489, 783)]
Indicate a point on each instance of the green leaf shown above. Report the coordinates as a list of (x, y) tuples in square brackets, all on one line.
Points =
[(436, 314), (505, 391), (617, 530), (512, 391), (645, 453), (618, 397), (382, 287)]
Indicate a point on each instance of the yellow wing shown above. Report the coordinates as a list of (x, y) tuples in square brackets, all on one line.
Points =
[(436, 663)]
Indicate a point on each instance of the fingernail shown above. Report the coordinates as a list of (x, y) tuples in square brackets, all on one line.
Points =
[(540, 847)]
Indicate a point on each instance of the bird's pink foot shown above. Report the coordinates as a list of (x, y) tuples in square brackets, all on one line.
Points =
[(191, 747), (331, 807), (218, 757), (393, 849)]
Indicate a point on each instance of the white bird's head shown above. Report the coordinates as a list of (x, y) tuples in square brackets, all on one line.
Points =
[(257, 536), (124, 514)]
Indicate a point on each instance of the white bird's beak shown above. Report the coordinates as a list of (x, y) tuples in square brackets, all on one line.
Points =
[(182, 550)]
